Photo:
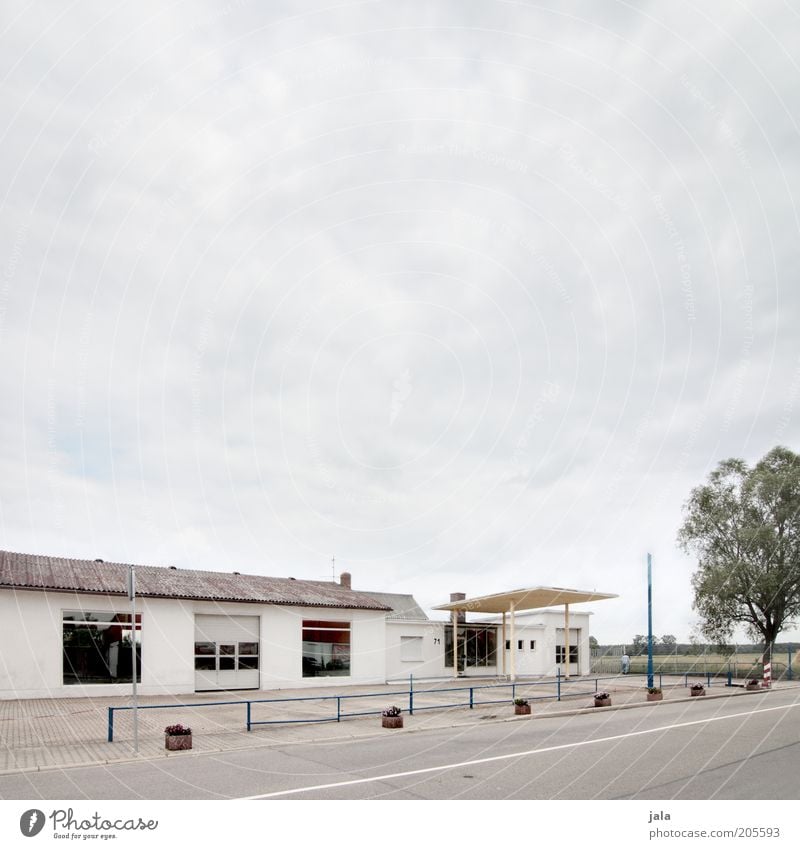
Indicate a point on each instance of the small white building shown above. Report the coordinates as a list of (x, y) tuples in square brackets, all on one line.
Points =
[(66, 629)]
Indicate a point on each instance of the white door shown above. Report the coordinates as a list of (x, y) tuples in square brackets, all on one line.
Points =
[(226, 652)]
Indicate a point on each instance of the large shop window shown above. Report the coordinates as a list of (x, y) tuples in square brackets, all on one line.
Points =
[(477, 646), (97, 647), (326, 648)]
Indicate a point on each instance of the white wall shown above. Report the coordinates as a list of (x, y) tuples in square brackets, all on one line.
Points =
[(31, 644), (529, 662), (543, 627), (31, 663), (433, 641), (281, 645), (432, 664)]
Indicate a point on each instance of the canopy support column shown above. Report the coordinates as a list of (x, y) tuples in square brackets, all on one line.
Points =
[(503, 643), (455, 643), (513, 643)]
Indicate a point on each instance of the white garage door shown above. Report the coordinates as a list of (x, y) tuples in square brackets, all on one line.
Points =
[(226, 652)]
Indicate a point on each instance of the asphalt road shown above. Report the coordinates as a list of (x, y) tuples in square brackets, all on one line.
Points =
[(737, 748)]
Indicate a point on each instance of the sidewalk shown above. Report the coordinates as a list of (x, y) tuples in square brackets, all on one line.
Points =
[(50, 733)]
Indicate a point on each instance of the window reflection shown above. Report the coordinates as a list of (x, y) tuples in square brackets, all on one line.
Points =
[(97, 647)]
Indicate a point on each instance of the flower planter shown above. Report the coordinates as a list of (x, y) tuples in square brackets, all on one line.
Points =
[(753, 688), (392, 721), (522, 710), (177, 742), (655, 697), (697, 692), (602, 702)]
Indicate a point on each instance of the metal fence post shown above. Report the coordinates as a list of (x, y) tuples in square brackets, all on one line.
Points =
[(708, 679), (558, 684), (248, 716), (471, 698), (338, 708), (789, 665), (411, 695), (111, 725)]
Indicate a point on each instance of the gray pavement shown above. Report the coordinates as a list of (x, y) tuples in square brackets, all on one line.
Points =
[(702, 748), (41, 734)]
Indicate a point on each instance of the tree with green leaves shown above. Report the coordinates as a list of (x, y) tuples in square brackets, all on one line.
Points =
[(743, 526)]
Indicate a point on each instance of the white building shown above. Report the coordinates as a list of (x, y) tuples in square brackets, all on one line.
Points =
[(66, 629)]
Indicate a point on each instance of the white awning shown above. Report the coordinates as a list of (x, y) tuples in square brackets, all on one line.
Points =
[(527, 599)]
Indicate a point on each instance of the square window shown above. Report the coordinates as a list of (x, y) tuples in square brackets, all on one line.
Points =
[(410, 649)]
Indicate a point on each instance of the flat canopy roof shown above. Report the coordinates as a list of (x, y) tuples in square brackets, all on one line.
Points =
[(528, 599)]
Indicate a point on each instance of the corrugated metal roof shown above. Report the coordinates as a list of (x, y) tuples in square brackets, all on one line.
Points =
[(35, 571), (403, 606)]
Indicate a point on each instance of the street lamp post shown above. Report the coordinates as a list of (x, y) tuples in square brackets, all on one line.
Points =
[(132, 599), (649, 620)]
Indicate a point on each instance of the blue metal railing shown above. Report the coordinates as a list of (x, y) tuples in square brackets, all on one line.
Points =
[(413, 696), (709, 676)]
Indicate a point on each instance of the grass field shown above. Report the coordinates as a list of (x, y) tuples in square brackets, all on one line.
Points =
[(744, 665)]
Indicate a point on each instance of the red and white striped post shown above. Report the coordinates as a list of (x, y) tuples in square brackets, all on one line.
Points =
[(767, 682)]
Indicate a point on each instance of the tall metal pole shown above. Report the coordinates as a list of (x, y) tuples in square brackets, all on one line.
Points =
[(132, 597), (649, 620)]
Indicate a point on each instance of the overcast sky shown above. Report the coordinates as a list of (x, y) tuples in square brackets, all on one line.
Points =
[(467, 294)]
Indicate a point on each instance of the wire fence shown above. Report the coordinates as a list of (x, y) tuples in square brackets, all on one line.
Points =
[(740, 666)]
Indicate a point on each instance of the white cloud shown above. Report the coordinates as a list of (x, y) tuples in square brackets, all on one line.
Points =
[(283, 284)]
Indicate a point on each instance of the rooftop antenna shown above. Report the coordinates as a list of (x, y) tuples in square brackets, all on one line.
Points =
[(333, 569)]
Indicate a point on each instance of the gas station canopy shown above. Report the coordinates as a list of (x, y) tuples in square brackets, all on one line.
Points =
[(528, 599), (513, 602)]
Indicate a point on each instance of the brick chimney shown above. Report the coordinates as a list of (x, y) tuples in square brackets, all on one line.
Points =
[(461, 616), (344, 580)]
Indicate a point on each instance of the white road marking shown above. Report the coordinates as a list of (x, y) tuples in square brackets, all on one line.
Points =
[(495, 758)]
